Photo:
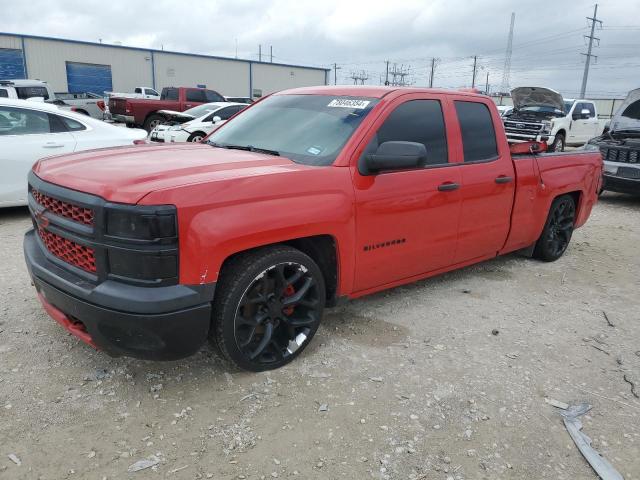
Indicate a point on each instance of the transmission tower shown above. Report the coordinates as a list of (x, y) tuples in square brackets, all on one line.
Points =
[(506, 71), (398, 76), (359, 77)]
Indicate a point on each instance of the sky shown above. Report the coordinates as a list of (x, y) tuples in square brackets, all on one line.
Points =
[(360, 36)]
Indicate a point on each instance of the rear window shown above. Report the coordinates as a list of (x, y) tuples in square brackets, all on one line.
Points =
[(478, 136), (29, 92)]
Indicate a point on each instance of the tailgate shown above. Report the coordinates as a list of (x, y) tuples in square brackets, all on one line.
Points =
[(118, 105)]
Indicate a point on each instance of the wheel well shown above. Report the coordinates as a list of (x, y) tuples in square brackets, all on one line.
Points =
[(576, 199), (562, 132), (322, 249)]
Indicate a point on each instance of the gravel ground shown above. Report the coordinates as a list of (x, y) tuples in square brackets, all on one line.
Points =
[(406, 384)]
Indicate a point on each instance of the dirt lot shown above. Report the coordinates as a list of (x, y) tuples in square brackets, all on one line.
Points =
[(406, 384)]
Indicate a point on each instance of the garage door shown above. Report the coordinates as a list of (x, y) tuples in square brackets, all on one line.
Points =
[(88, 77), (11, 64)]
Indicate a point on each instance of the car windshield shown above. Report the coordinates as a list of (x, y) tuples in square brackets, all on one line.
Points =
[(568, 105), (201, 110), (308, 129)]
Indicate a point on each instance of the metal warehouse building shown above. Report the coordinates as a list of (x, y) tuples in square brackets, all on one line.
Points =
[(76, 66)]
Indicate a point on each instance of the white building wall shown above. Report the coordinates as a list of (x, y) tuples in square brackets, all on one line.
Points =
[(272, 78), (227, 77), (46, 60), (10, 42)]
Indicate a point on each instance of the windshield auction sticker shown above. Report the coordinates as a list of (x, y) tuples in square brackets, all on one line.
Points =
[(349, 103)]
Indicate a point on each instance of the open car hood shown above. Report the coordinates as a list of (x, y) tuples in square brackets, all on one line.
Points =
[(627, 117), (536, 96), (177, 115)]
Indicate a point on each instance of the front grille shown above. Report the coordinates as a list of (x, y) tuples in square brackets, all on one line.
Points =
[(64, 209), (522, 128), (622, 155), (69, 251)]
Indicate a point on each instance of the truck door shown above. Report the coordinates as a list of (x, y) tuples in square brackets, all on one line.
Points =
[(583, 127), (407, 220), (488, 182)]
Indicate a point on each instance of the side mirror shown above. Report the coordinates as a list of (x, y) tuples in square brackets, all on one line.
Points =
[(395, 156), (216, 119)]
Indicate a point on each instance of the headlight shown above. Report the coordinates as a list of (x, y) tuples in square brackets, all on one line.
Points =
[(175, 127), (142, 223), (546, 127), (142, 243)]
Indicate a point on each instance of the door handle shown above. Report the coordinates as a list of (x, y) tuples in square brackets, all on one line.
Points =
[(447, 187), (53, 145), (504, 179)]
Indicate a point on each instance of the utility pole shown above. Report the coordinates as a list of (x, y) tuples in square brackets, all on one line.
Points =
[(433, 70), (335, 73), (506, 71), (386, 78), (473, 80), (260, 52), (271, 52), (486, 86), (588, 55)]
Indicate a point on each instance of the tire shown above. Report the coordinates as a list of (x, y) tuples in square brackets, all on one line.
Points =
[(152, 121), (558, 143), (558, 228), (196, 137), (259, 322)]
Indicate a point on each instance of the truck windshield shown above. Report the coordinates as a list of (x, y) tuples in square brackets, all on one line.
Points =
[(308, 129)]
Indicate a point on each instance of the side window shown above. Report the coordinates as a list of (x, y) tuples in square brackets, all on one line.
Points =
[(170, 94), (586, 106), (56, 124), (225, 113), (419, 121), (196, 96), (71, 124), (4, 93), (19, 121), (213, 96), (151, 91), (478, 135), (137, 90)]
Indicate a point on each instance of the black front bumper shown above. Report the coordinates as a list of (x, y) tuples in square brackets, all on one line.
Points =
[(155, 323), (621, 185)]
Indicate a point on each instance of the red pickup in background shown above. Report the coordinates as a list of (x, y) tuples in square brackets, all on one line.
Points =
[(142, 112)]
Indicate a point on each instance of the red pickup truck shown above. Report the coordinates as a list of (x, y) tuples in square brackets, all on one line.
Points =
[(143, 112), (308, 197)]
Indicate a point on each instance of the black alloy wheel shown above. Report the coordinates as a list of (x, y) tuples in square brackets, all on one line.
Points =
[(268, 307), (558, 229)]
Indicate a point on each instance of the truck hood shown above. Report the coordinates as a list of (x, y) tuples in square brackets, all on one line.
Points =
[(536, 96), (127, 174), (627, 117)]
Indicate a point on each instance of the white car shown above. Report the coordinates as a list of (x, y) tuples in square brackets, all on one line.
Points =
[(33, 130), (194, 124)]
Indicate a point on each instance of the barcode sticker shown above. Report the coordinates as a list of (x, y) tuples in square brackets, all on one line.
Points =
[(349, 103)]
